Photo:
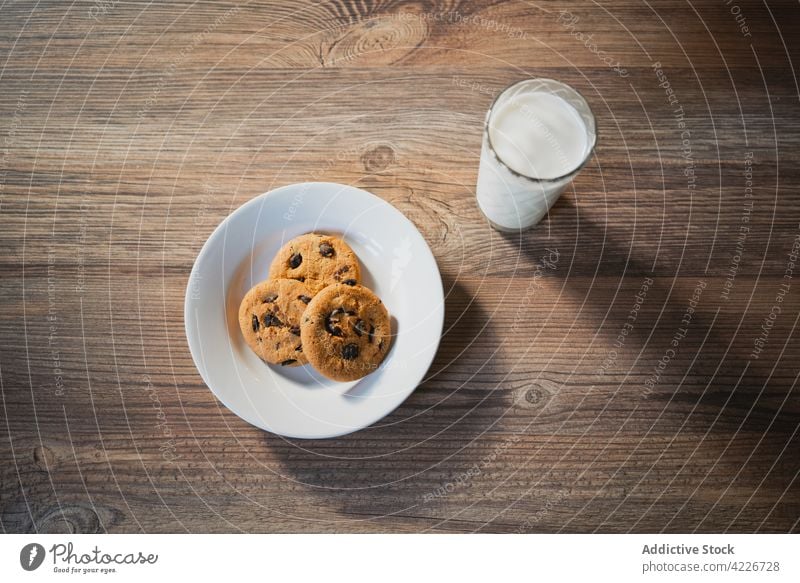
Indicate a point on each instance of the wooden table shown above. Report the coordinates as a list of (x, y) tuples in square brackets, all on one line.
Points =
[(628, 365)]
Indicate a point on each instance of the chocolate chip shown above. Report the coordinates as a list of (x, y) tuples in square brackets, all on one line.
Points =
[(360, 328), (371, 333), (304, 299), (295, 330), (326, 250), (301, 279), (270, 298), (331, 320), (295, 261), (337, 275), (299, 348), (380, 345), (349, 282), (289, 361), (255, 323), (349, 351), (272, 320)]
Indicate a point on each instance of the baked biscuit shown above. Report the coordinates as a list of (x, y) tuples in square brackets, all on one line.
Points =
[(269, 317), (318, 261), (345, 332)]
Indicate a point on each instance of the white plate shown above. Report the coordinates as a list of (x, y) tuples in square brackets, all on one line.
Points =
[(397, 264)]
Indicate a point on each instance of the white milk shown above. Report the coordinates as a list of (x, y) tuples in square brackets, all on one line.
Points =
[(539, 135), (536, 134)]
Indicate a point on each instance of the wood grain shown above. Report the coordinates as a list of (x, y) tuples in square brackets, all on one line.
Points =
[(129, 131)]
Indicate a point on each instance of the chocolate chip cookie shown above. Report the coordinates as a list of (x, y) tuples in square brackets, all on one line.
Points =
[(269, 317), (345, 332), (318, 261)]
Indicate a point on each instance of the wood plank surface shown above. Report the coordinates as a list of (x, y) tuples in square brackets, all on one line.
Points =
[(129, 130)]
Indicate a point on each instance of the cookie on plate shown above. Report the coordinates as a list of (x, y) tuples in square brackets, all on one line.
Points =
[(269, 317), (345, 332), (318, 261)]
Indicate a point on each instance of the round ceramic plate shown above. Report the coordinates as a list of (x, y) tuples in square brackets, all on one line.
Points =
[(397, 264)]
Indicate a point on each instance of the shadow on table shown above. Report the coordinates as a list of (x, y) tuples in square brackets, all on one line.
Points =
[(704, 386), (706, 390), (391, 466), (598, 251)]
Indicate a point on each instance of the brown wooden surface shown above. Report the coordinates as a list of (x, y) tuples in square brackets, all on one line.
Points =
[(129, 130)]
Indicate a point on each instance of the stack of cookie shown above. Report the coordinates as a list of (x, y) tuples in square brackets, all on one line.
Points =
[(313, 309)]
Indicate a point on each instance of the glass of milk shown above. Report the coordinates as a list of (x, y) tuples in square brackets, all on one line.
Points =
[(538, 134)]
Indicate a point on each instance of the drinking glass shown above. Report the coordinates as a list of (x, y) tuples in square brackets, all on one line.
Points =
[(518, 184)]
